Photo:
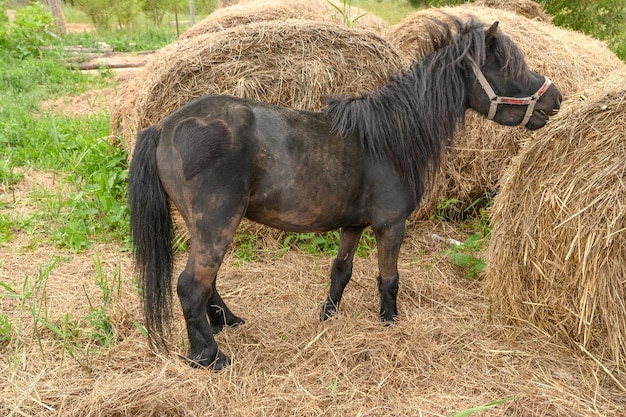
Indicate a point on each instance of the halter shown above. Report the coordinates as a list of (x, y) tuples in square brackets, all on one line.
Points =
[(495, 99)]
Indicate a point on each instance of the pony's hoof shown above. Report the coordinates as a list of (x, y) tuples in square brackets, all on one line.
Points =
[(219, 362), (328, 311), (388, 319), (236, 322), (222, 361)]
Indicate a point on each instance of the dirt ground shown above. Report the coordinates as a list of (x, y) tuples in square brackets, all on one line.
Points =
[(447, 353), (97, 100)]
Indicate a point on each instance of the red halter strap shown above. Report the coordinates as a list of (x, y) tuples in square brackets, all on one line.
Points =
[(495, 99)]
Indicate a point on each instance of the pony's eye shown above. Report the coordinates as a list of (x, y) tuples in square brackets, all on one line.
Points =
[(541, 112)]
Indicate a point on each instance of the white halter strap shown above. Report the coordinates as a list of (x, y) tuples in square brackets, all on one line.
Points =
[(495, 99)]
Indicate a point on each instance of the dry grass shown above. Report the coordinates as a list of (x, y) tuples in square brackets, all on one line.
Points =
[(482, 152), (446, 354), (559, 228)]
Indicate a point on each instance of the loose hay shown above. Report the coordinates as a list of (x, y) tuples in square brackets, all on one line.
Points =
[(267, 10), (445, 354), (294, 63), (557, 253), (484, 149)]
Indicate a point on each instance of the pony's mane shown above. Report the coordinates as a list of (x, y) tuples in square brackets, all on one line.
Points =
[(415, 114)]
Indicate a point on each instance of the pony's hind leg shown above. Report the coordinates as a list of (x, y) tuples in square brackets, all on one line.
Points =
[(219, 313), (197, 292), (193, 293), (341, 271)]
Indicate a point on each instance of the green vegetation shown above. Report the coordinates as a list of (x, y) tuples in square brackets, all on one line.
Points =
[(489, 406), (30, 31), (327, 243), (467, 255), (344, 11), (91, 204), (602, 19), (79, 338), (108, 14), (391, 11)]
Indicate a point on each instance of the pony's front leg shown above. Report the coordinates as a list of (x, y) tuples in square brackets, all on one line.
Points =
[(194, 291), (389, 240), (341, 272)]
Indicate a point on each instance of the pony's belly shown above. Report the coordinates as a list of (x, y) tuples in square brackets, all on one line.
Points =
[(307, 218)]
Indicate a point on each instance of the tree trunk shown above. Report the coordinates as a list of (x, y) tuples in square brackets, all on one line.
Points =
[(57, 12)]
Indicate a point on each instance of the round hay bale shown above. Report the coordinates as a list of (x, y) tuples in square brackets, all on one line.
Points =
[(291, 63), (264, 10), (526, 8), (557, 251), (484, 149)]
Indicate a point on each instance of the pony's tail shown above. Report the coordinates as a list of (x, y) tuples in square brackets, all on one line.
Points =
[(152, 231)]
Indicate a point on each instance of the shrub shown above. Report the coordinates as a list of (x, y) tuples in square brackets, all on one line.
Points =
[(28, 33), (602, 19), (100, 12)]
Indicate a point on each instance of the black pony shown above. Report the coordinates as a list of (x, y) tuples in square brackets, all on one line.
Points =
[(364, 161)]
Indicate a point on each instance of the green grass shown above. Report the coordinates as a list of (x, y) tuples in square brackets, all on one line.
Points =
[(142, 35), (91, 204)]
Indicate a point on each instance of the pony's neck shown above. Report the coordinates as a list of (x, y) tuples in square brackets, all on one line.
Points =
[(411, 119)]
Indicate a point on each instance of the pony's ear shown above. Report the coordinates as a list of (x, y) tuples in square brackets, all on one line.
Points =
[(493, 31)]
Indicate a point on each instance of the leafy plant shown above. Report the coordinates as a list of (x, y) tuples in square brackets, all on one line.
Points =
[(244, 244), (344, 11), (314, 243), (334, 387), (99, 329), (31, 298), (327, 243), (467, 255), (6, 226), (64, 330), (29, 32), (443, 207), (108, 288)]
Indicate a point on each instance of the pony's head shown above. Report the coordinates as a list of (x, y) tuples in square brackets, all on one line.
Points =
[(502, 87)]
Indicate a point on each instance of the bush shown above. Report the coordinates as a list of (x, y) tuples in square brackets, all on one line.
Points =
[(602, 19), (100, 12), (28, 33), (104, 13), (126, 12), (156, 9)]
